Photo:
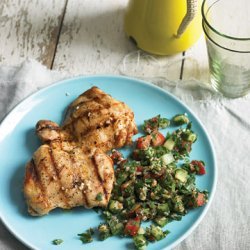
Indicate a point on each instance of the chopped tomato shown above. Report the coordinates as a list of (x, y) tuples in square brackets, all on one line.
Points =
[(158, 139), (200, 200), (139, 169), (202, 170), (199, 167), (159, 174), (132, 226), (116, 156), (151, 124), (197, 200), (155, 119), (147, 176), (143, 142), (136, 155), (126, 184)]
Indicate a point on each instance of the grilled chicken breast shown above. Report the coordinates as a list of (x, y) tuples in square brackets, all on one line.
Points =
[(100, 121), (57, 177), (71, 168)]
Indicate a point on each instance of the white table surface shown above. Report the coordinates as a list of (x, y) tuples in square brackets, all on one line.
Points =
[(79, 37)]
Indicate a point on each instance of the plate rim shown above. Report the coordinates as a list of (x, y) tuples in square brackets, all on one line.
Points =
[(138, 81)]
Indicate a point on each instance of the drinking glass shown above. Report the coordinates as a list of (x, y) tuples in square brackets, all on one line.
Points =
[(226, 24)]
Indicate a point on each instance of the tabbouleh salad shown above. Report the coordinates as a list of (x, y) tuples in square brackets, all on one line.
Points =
[(156, 184)]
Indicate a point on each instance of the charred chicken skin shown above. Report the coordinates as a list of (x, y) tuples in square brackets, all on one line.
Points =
[(72, 168)]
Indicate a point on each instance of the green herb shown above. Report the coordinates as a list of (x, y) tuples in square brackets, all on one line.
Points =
[(96, 209), (115, 225), (87, 236), (155, 123), (163, 209), (178, 205), (129, 202), (57, 241), (104, 231), (99, 197), (155, 233), (121, 177), (151, 124), (161, 221)]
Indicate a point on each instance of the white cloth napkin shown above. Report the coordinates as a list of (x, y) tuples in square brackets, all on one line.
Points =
[(227, 223)]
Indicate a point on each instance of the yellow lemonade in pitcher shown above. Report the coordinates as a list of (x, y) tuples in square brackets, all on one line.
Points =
[(154, 25)]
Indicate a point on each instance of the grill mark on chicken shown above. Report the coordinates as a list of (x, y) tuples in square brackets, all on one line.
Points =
[(78, 105), (93, 178), (71, 128), (104, 124), (73, 125), (79, 183), (57, 175), (99, 100), (96, 168), (33, 171), (86, 113), (36, 177)]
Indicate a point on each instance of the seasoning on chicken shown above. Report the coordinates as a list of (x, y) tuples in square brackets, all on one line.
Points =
[(72, 168), (100, 121)]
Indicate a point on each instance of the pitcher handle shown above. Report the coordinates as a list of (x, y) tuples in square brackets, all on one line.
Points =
[(192, 8)]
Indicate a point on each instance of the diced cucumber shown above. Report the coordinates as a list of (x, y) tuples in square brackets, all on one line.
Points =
[(141, 230), (180, 120), (163, 122), (116, 227), (140, 242), (181, 175), (178, 204), (169, 144), (192, 137), (163, 209), (155, 233), (189, 135), (168, 158), (161, 221), (115, 206)]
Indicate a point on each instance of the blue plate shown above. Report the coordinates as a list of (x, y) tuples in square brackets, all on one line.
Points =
[(18, 142)]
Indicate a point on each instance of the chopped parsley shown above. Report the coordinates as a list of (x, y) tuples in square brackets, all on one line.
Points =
[(87, 236), (104, 231), (155, 123), (57, 241), (99, 197)]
